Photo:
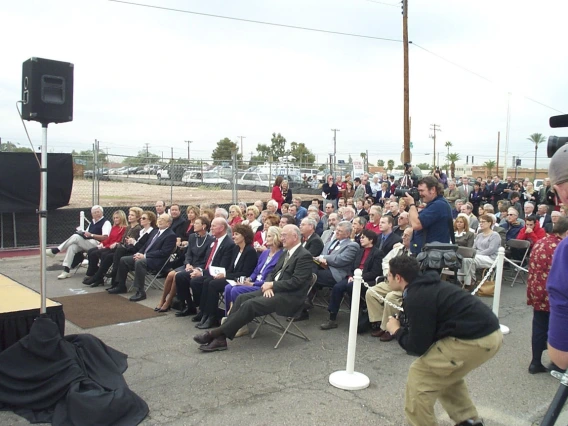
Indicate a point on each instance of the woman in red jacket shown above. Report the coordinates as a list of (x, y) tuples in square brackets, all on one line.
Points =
[(532, 230), (116, 233), (277, 191)]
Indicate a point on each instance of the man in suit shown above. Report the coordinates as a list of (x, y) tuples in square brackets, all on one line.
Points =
[(360, 190), (218, 254), (160, 245), (310, 240), (464, 189), (329, 209), (387, 239), (547, 195), (451, 194), (496, 190), (359, 224), (368, 260), (544, 217), (467, 209), (328, 234), (284, 292)]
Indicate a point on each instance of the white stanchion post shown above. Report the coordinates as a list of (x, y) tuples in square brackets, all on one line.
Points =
[(350, 379), (82, 220), (498, 283)]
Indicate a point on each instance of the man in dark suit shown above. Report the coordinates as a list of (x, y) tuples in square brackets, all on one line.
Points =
[(544, 218), (218, 254), (284, 292), (160, 245), (464, 189), (368, 260), (310, 240), (359, 224), (497, 190), (387, 239)]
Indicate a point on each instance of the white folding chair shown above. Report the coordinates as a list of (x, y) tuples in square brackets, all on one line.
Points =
[(279, 328), (519, 245)]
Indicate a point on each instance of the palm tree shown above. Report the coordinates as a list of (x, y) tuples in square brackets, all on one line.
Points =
[(448, 144), (390, 164), (489, 165), (452, 158), (364, 157), (537, 139), (381, 163)]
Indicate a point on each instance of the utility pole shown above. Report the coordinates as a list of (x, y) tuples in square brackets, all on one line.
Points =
[(188, 157), (242, 150), (406, 118), (334, 151), (435, 128), (498, 142), (147, 145)]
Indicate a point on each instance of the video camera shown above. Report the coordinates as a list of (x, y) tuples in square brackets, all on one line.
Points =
[(555, 142), (407, 184)]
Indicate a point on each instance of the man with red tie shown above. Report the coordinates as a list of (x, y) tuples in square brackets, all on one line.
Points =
[(218, 254)]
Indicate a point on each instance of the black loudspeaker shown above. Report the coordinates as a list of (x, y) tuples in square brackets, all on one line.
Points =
[(47, 91)]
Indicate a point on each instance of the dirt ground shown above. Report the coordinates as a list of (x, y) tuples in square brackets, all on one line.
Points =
[(126, 193)]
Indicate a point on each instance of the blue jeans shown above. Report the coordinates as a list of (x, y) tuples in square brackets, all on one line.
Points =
[(339, 289)]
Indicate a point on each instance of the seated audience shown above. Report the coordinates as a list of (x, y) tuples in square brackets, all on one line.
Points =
[(375, 214), (151, 257), (197, 245), (97, 231), (379, 311), (106, 247), (260, 236), (283, 292), (266, 263), (403, 223), (512, 224), (235, 215), (463, 234), (532, 231), (179, 224), (467, 209), (243, 261), (368, 260), (359, 224), (332, 224), (486, 245), (251, 218), (383, 195), (311, 241), (192, 213)]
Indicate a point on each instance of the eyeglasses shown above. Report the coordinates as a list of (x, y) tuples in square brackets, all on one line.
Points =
[(511, 214), (143, 218)]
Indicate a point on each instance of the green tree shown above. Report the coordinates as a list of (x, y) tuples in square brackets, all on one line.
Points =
[(448, 145), (302, 154), (223, 151), (278, 145), (381, 163), (424, 166), (86, 158), (143, 157), (390, 164), (452, 158), (11, 147), (537, 139), (489, 165)]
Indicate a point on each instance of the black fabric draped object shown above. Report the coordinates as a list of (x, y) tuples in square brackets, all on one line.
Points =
[(71, 380)]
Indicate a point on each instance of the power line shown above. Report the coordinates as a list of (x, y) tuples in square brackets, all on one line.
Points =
[(211, 15), (479, 75), (383, 3)]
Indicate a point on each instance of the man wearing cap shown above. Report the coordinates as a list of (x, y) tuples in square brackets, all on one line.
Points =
[(557, 286)]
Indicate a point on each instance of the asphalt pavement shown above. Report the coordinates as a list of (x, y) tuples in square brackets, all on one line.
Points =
[(254, 384)]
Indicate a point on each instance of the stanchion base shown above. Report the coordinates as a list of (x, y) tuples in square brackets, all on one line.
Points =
[(346, 381), (504, 329)]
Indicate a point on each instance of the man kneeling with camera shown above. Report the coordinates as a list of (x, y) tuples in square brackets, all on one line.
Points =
[(452, 331)]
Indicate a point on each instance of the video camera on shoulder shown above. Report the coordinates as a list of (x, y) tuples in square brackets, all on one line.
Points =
[(407, 184), (555, 142)]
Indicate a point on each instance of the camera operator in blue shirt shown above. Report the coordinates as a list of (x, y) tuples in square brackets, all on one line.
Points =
[(434, 222)]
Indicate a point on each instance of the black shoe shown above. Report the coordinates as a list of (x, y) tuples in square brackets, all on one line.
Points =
[(140, 295), (203, 339), (117, 290), (471, 422), (97, 282), (536, 368), (198, 317), (209, 323), (203, 320), (305, 315), (185, 313), (218, 344), (88, 280), (553, 367)]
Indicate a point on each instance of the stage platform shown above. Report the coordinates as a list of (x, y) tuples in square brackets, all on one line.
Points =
[(19, 306)]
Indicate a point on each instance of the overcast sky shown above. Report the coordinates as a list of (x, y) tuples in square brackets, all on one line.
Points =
[(144, 75)]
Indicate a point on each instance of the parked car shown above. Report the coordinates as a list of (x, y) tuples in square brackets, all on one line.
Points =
[(207, 178), (254, 179), (163, 173), (101, 174)]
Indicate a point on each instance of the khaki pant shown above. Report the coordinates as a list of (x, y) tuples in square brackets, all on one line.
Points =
[(378, 310), (75, 244), (439, 374)]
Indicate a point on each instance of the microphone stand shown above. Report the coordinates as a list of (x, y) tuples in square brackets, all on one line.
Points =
[(559, 400)]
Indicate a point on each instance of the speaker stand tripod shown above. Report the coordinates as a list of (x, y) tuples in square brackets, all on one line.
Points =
[(42, 213)]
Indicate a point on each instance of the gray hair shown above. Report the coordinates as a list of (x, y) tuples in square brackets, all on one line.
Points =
[(222, 212), (345, 224), (362, 220), (532, 204), (310, 221), (272, 203), (560, 227), (97, 207)]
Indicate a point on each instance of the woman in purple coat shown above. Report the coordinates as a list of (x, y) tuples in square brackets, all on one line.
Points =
[(266, 263)]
